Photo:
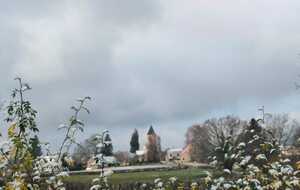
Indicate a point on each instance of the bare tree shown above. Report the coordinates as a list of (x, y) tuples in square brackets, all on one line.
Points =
[(221, 129), (283, 127), (197, 136), (86, 151), (213, 133), (296, 137), (122, 156)]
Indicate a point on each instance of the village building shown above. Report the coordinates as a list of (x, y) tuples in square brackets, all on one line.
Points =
[(185, 155), (151, 152), (140, 155), (152, 149), (173, 154), (108, 161)]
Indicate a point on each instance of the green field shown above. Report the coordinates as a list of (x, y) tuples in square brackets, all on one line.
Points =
[(149, 176)]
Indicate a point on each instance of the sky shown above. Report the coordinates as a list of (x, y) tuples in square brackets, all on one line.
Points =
[(169, 64)]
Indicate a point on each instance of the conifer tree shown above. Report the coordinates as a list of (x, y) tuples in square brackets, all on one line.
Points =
[(134, 142), (108, 149)]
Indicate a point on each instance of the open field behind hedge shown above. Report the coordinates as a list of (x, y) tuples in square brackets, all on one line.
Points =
[(148, 176)]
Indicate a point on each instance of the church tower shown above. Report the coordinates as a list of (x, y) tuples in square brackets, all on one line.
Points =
[(151, 131), (153, 148)]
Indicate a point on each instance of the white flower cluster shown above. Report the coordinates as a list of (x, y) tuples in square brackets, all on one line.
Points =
[(100, 183), (48, 166), (159, 184), (271, 175)]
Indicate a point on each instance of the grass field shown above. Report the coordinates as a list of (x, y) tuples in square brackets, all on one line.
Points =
[(149, 176)]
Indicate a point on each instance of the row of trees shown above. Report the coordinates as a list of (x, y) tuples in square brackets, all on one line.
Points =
[(255, 163), (214, 132), (88, 149), (204, 137)]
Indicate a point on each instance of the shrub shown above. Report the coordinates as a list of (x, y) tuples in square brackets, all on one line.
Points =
[(258, 163)]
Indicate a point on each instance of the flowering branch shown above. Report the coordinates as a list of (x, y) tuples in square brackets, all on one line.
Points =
[(74, 125)]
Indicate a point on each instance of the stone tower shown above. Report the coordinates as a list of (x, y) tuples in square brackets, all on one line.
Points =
[(152, 147)]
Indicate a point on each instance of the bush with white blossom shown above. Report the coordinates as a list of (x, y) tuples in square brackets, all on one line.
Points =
[(19, 169), (257, 164)]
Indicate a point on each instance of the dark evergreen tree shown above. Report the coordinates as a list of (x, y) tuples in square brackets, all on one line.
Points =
[(108, 147), (35, 148), (134, 142), (253, 137)]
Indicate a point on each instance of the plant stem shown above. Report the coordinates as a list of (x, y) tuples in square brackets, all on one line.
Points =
[(69, 130)]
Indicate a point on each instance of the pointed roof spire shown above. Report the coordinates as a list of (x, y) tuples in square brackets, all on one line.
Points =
[(151, 131)]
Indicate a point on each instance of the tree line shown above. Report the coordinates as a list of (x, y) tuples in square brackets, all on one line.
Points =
[(212, 133)]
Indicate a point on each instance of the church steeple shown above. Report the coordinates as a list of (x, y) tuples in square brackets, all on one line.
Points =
[(151, 131)]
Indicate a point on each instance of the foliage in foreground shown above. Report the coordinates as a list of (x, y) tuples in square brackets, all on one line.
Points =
[(255, 164), (21, 164)]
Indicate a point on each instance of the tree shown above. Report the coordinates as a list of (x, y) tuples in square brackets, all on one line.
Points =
[(134, 142), (35, 148), (122, 156), (259, 167), (108, 147), (211, 134), (16, 158), (255, 136), (220, 129), (85, 151), (197, 136), (296, 138), (282, 127)]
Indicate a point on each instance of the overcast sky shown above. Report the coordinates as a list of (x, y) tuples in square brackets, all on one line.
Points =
[(164, 63)]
